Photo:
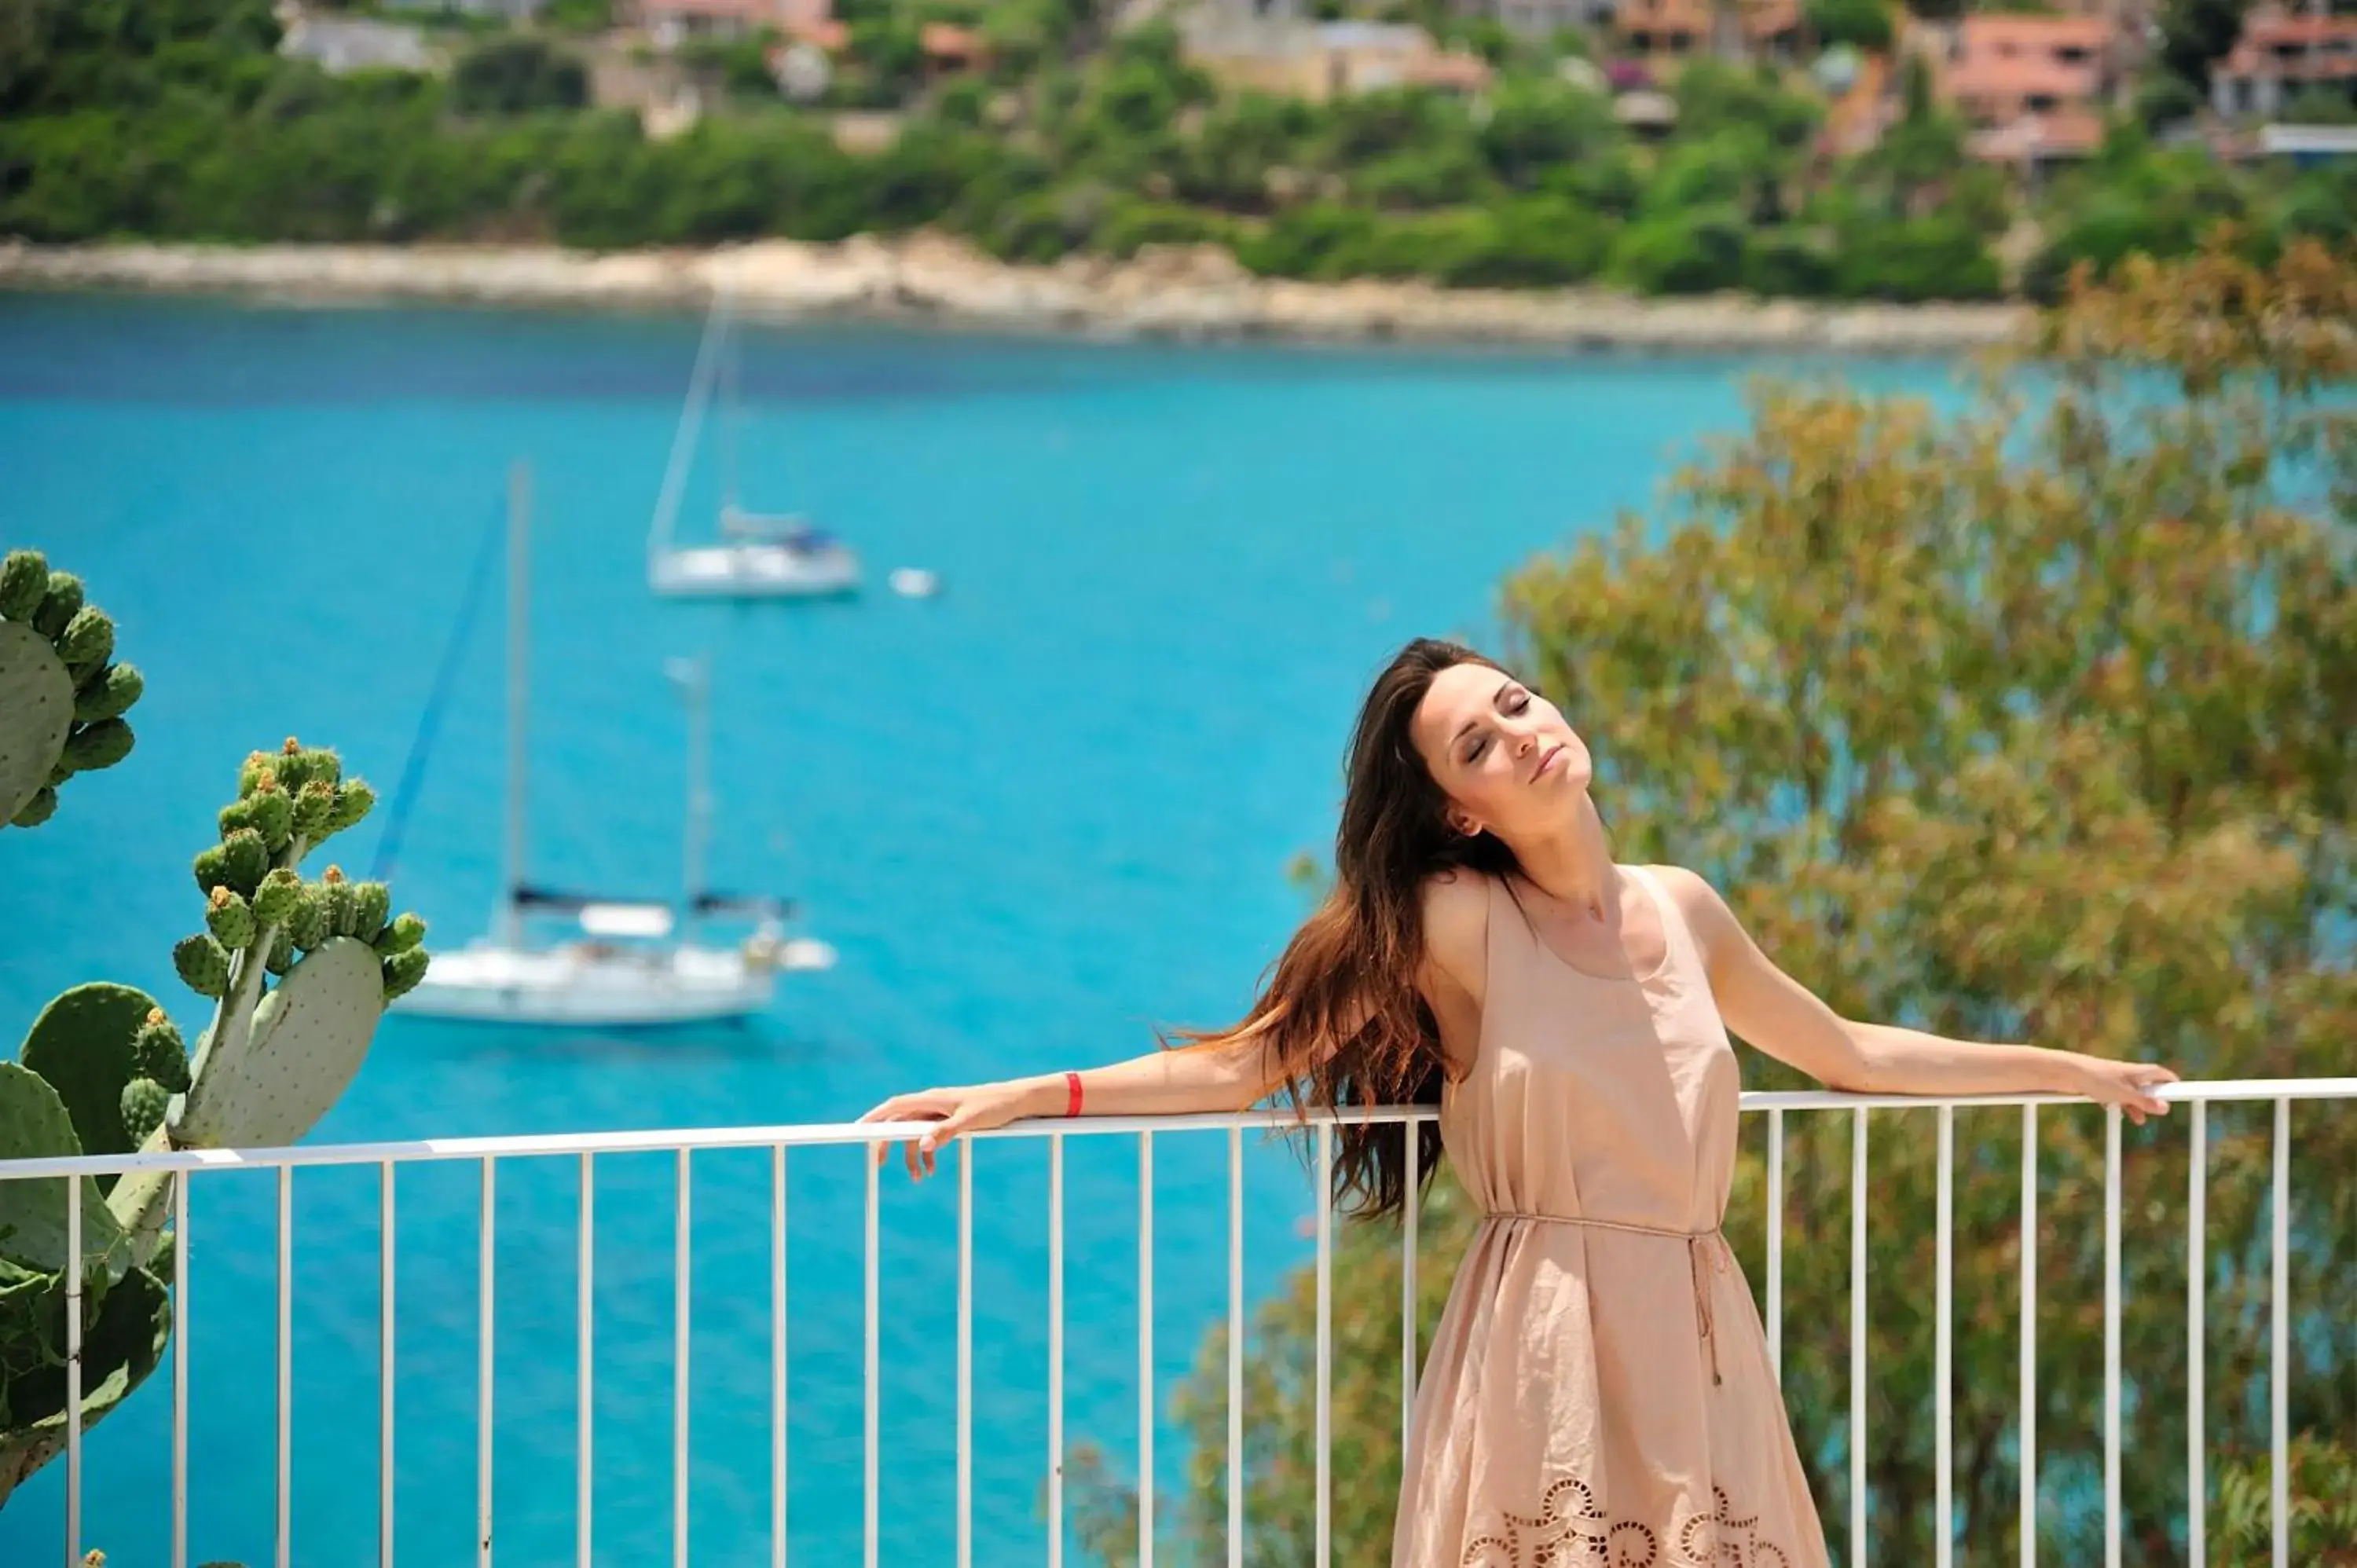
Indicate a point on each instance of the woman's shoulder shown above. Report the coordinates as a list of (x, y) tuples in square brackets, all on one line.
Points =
[(1686, 888), (1457, 925), (1696, 902)]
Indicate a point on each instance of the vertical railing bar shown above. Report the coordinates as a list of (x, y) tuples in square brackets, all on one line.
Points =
[(965, 1355), (1943, 1514), (871, 1306), (1857, 1339), (683, 1282), (285, 1545), (2197, 1295), (1325, 1438), (585, 1438), (73, 1369), (2279, 1347), (1776, 1243), (486, 1277), (385, 1273), (778, 1434), (1235, 1347), (2029, 1436), (1055, 1350), (181, 1372), (1146, 1402), (2111, 1521), (1411, 1206)]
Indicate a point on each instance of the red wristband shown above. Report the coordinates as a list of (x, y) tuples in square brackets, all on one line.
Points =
[(1071, 1094)]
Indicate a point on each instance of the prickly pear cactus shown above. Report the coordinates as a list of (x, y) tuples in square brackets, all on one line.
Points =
[(34, 1124), (126, 1322), (84, 1045), (274, 1059), (61, 702), (105, 1071)]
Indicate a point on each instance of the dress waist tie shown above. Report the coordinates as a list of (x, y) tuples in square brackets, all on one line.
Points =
[(1701, 1259)]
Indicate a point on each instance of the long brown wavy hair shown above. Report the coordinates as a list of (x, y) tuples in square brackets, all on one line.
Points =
[(1338, 1018)]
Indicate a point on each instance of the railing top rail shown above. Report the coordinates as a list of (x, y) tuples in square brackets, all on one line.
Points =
[(822, 1133)]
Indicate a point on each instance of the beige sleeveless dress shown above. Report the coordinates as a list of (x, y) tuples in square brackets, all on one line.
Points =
[(1598, 1390)]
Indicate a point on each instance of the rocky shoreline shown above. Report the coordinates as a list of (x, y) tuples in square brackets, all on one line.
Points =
[(1189, 293)]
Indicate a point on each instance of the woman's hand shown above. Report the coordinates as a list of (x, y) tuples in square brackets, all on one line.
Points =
[(975, 1108), (2127, 1085)]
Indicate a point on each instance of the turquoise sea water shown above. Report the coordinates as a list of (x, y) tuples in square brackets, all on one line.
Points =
[(1038, 816)]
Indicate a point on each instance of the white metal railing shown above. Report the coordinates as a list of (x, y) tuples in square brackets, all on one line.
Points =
[(488, 1152)]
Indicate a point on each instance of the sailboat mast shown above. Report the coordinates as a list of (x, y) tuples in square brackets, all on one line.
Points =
[(731, 370), (510, 921), (698, 683), (700, 383)]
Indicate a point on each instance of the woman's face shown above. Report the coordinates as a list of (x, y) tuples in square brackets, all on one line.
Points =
[(1501, 753)]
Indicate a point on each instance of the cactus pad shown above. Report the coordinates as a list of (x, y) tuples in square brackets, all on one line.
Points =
[(38, 810), (371, 907), (109, 694), (24, 583), (58, 606), (229, 918), (405, 932), (354, 801), (101, 744), (34, 1125), (303, 1050), (124, 1331), (203, 964), (36, 705), (280, 897), (402, 971), (84, 1044), (88, 639)]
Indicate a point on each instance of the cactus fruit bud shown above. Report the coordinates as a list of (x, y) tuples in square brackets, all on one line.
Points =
[(229, 918), (109, 694), (335, 898), (156, 1052), (39, 808), (278, 897), (88, 638), (310, 924), (203, 964), (212, 868), (24, 583), (248, 861), (249, 772), (314, 807), (371, 902), (273, 813), (402, 971), (101, 744), (405, 932), (282, 953), (58, 604), (353, 801), (236, 815), (299, 765), (289, 761), (144, 1103)]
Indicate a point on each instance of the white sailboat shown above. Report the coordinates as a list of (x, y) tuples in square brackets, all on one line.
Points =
[(759, 554), (633, 961)]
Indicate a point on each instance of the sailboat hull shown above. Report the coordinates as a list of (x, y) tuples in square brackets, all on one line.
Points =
[(754, 571), (589, 984)]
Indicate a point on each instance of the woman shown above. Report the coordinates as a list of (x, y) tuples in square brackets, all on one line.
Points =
[(1598, 1390)]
